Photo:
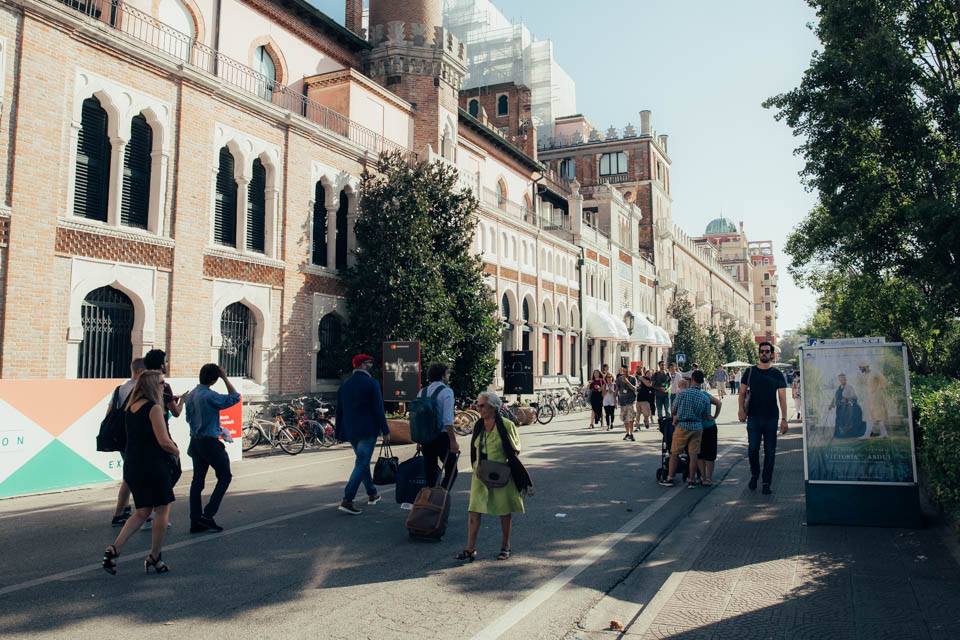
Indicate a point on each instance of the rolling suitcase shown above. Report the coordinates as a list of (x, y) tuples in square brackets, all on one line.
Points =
[(431, 510)]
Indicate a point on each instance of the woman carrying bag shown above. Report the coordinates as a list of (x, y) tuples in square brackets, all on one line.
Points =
[(499, 478)]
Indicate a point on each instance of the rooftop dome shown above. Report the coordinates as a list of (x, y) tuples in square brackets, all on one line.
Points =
[(719, 226)]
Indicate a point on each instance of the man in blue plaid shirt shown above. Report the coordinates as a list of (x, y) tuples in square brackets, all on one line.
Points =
[(688, 410)]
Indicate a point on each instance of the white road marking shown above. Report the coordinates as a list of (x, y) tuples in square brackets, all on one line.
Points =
[(526, 606)]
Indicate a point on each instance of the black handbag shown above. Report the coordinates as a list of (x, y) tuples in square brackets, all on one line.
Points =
[(385, 471), (113, 429), (173, 466)]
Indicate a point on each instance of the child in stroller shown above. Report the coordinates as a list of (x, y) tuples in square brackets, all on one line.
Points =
[(683, 463)]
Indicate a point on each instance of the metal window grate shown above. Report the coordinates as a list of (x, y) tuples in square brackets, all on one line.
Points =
[(106, 316), (328, 335), (237, 326), (92, 183)]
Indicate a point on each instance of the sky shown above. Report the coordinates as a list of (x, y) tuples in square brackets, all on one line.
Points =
[(703, 68)]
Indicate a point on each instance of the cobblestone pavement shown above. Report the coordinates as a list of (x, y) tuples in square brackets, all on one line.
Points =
[(764, 574)]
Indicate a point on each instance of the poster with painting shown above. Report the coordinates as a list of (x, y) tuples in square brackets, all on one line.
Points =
[(401, 371), (857, 424)]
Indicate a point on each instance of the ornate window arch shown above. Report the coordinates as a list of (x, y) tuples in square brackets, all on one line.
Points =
[(502, 194)]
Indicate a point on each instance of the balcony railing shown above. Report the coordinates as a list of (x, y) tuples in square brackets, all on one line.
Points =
[(619, 178), (157, 35), (588, 224)]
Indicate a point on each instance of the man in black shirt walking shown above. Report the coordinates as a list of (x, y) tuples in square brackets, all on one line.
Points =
[(661, 385), (767, 387)]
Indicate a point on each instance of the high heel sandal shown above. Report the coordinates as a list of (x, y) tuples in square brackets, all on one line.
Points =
[(467, 555), (158, 565), (110, 554), (504, 554)]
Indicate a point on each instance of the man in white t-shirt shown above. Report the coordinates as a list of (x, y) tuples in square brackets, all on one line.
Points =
[(675, 378)]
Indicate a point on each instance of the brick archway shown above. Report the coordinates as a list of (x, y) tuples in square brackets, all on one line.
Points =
[(273, 49)]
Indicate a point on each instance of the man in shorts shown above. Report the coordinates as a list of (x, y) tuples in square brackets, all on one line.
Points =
[(626, 398), (688, 410), (707, 456)]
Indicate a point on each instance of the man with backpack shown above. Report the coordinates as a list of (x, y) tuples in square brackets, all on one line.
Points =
[(431, 424), (360, 418)]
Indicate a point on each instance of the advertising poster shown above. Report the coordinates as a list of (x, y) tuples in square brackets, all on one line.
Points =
[(401, 371), (518, 372), (857, 414)]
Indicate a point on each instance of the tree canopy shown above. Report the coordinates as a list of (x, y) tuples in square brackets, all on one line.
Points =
[(415, 278), (878, 111)]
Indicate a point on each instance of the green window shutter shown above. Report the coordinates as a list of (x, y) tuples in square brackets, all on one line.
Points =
[(342, 232), (225, 206), (256, 208), (319, 256), (135, 196), (92, 185)]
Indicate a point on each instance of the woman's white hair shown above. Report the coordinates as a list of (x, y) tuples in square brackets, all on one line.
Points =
[(492, 399)]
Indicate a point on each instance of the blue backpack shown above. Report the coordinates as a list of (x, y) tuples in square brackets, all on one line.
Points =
[(425, 418)]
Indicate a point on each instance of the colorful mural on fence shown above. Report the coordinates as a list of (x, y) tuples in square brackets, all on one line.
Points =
[(49, 429)]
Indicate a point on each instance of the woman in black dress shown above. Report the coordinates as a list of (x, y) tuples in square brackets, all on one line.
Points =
[(596, 397), (146, 470)]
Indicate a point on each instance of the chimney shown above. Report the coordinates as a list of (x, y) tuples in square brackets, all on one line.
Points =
[(645, 123), (353, 20)]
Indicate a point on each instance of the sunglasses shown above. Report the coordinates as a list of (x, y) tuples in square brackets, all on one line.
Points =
[(482, 406)]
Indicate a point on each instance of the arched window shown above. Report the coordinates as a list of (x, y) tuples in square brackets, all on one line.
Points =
[(106, 350), (137, 160), (513, 249), (446, 144), (237, 326), (328, 338), (503, 105), (319, 247), (257, 208), (92, 185), (474, 108), (225, 206), (501, 194), (266, 67), (505, 307), (342, 231), (505, 247), (175, 14), (492, 245), (481, 238)]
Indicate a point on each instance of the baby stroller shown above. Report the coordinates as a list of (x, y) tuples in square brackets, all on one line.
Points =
[(683, 462)]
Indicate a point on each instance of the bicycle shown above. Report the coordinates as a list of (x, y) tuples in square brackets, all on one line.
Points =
[(319, 432), (274, 432), (546, 408)]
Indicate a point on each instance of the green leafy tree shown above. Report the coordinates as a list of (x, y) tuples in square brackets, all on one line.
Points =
[(748, 347), (414, 277), (879, 113), (732, 343), (687, 339)]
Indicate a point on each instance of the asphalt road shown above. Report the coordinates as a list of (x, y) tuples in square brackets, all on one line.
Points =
[(290, 565)]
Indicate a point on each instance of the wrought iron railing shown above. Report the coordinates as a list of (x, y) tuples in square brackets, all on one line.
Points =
[(150, 31)]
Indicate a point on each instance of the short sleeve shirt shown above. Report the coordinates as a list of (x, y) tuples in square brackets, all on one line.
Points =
[(677, 377), (764, 385), (691, 404), (644, 393), (444, 402), (625, 394), (708, 422)]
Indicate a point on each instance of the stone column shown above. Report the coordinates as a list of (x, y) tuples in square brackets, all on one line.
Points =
[(243, 197), (332, 236), (118, 147), (271, 222)]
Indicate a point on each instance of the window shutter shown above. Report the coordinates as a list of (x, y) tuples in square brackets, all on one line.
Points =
[(135, 196), (225, 207), (256, 208), (93, 163), (342, 232), (320, 226)]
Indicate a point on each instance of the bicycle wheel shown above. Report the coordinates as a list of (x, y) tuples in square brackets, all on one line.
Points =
[(462, 423), (290, 440), (545, 413), (251, 437), (563, 406), (312, 432), (327, 437)]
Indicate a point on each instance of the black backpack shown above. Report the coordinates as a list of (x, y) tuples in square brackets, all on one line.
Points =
[(113, 429)]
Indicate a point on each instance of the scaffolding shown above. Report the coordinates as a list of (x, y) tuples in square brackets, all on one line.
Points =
[(499, 51)]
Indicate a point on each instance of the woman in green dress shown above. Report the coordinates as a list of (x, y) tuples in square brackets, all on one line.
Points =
[(502, 501)]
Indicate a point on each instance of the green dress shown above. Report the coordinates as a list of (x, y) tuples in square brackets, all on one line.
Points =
[(507, 499)]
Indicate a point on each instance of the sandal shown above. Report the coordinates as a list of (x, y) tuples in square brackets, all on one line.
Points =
[(467, 555), (691, 485), (504, 554), (109, 560), (158, 565), (707, 483)]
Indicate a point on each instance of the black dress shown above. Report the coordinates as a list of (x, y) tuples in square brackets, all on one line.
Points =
[(145, 467)]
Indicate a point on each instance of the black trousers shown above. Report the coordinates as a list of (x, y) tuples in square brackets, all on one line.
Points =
[(433, 453), (206, 453)]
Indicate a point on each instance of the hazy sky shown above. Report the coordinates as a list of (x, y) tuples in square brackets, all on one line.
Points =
[(703, 68)]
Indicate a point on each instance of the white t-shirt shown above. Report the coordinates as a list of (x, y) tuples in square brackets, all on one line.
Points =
[(674, 381), (610, 395)]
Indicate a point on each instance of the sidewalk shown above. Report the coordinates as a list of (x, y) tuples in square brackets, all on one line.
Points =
[(744, 565)]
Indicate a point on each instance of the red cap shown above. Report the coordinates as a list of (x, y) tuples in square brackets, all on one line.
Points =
[(360, 359)]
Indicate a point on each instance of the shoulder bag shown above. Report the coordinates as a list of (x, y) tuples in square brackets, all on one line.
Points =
[(113, 429), (493, 474)]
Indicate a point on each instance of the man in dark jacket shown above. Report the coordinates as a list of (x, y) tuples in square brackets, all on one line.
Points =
[(360, 418)]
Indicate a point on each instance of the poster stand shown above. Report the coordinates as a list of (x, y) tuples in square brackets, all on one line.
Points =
[(853, 390)]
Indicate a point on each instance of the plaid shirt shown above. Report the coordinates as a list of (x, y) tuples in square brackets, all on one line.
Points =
[(690, 406)]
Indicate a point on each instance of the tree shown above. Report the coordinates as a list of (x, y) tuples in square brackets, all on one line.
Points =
[(414, 277), (879, 113), (687, 339)]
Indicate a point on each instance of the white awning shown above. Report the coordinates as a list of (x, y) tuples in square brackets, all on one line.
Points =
[(603, 326), (644, 332), (663, 337)]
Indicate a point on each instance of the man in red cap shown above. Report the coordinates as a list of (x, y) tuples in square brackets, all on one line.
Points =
[(360, 418)]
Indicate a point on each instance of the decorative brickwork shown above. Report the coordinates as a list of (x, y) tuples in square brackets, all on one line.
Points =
[(626, 258), (509, 274), (562, 290), (490, 268), (226, 269), (528, 279), (547, 286), (591, 255), (72, 242), (605, 261), (323, 284), (4, 230)]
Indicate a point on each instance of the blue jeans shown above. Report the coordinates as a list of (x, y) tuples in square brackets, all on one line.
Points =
[(765, 429), (663, 406), (361, 469)]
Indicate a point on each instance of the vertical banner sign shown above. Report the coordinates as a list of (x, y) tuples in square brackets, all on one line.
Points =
[(401, 371), (231, 419), (518, 372)]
